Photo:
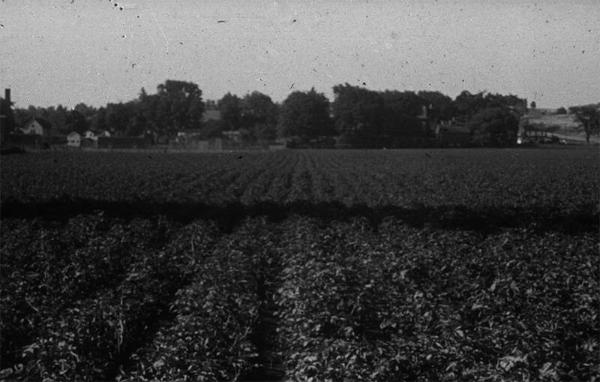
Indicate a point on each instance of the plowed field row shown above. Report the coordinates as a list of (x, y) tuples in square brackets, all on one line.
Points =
[(411, 265)]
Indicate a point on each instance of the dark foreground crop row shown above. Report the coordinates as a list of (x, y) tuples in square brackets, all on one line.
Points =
[(97, 297)]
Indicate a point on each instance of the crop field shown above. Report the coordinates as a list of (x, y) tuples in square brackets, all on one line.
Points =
[(408, 265)]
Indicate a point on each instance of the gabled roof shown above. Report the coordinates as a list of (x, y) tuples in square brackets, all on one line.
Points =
[(44, 123)]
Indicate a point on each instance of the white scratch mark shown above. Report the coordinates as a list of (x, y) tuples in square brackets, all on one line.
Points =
[(161, 30)]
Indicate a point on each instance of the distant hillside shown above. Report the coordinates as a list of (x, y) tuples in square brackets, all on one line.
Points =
[(561, 125), (567, 123)]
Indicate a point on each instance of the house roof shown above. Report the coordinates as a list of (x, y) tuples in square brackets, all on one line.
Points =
[(211, 114), (43, 122), (73, 134)]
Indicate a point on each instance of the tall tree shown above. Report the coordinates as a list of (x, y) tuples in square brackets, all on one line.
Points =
[(176, 106), (98, 123), (118, 117), (230, 107), (358, 115), (589, 116), (440, 106), (494, 127), (76, 121), (401, 127), (406, 103), (305, 115), (259, 116), (85, 110), (468, 104)]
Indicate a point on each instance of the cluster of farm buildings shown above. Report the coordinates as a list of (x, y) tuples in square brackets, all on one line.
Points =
[(39, 133)]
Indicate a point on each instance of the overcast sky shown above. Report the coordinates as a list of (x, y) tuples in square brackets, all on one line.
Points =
[(71, 51)]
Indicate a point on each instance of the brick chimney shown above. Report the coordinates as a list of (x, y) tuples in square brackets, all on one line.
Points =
[(5, 113)]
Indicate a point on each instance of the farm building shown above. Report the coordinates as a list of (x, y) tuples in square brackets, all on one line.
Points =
[(74, 139), (36, 133), (89, 134), (37, 126), (94, 135)]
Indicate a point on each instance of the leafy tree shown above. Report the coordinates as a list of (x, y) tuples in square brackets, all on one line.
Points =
[(512, 102), (76, 122), (87, 111), (400, 130), (118, 117), (440, 106), (98, 122), (258, 108), (561, 110), (400, 125), (265, 132), (494, 127), (137, 125), (305, 115), (176, 106), (230, 107), (468, 104), (532, 105), (154, 111), (57, 117), (406, 103), (212, 129), (358, 115), (183, 100), (259, 116), (589, 116)]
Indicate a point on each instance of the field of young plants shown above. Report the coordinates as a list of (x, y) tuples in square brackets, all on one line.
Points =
[(412, 265)]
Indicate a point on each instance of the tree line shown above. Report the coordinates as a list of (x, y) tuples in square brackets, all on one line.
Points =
[(357, 116)]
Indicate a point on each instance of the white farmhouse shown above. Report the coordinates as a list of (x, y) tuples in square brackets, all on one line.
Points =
[(74, 139), (37, 126)]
